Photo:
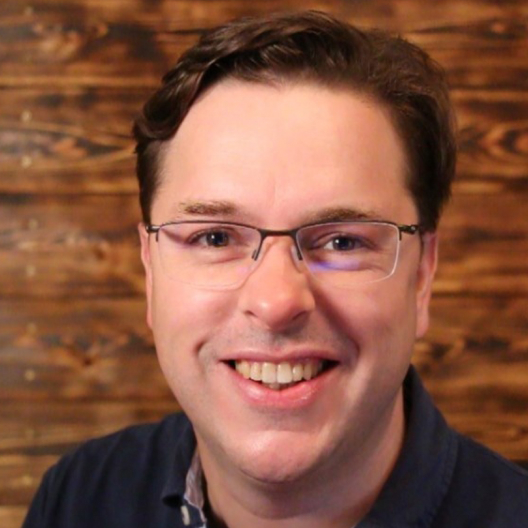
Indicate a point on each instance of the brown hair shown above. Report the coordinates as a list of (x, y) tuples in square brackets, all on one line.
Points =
[(315, 47)]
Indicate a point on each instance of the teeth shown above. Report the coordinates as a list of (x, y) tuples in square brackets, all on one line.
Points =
[(297, 372), (279, 376), (284, 373), (255, 372), (244, 369), (269, 373), (308, 371)]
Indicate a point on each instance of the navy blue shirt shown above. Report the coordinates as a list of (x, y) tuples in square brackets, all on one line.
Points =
[(136, 478)]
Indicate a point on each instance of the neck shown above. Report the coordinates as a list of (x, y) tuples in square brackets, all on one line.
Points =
[(336, 495)]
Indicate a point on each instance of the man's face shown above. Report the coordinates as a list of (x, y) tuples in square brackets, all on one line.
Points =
[(278, 158)]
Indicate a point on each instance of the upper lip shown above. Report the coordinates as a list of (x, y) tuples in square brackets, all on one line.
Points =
[(283, 356)]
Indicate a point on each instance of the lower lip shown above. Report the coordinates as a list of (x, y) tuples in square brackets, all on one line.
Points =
[(296, 397)]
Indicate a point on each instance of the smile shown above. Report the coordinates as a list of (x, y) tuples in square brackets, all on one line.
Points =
[(279, 376)]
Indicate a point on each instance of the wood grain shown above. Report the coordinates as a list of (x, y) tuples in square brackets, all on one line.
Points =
[(58, 245), (76, 357), (57, 43), (493, 140), (77, 349), (12, 516)]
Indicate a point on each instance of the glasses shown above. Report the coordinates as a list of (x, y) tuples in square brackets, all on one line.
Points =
[(221, 255)]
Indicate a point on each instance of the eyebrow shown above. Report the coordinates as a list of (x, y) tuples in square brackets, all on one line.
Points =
[(210, 208), (341, 214), (223, 208)]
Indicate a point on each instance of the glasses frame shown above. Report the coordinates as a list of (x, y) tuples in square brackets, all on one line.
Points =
[(408, 229)]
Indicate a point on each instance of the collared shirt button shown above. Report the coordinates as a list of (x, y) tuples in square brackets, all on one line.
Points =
[(186, 518)]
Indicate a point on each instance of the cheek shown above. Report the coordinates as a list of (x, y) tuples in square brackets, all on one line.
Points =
[(183, 319), (383, 319), (399, 320)]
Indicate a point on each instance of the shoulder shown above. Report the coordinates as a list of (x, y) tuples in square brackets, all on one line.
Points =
[(156, 437), (486, 489), (105, 477), (116, 452), (493, 473), (123, 456), (489, 462)]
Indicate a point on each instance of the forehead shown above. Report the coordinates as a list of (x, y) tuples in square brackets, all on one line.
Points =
[(276, 153)]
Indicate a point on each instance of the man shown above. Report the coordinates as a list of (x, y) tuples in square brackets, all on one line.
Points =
[(292, 172)]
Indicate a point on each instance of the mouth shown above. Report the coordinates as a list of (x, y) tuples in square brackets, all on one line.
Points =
[(283, 375)]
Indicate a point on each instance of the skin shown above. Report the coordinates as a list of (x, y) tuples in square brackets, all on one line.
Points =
[(278, 157)]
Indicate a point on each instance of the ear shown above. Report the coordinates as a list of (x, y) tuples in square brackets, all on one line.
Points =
[(147, 264), (424, 283)]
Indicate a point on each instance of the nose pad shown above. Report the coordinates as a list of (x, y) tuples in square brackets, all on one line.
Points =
[(260, 252), (277, 293), (296, 257)]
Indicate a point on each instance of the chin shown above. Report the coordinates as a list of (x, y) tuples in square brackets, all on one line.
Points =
[(275, 473), (279, 460)]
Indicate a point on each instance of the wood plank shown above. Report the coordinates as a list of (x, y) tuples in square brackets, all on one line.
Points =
[(20, 477), (77, 349), (12, 516), (51, 428), (484, 245), (53, 245), (493, 140), (78, 140), (106, 111), (473, 16), (197, 14), (58, 43), (468, 334), (70, 160)]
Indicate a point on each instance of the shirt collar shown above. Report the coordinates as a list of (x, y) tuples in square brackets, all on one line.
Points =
[(184, 449), (194, 494)]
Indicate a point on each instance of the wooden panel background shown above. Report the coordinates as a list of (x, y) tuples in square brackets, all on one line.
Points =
[(76, 358)]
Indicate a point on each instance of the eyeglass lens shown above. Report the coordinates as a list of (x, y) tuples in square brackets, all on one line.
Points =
[(219, 255)]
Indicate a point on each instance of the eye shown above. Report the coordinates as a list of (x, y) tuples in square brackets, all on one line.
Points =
[(342, 243), (215, 238)]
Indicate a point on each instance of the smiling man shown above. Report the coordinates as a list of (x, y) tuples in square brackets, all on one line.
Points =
[(292, 172)]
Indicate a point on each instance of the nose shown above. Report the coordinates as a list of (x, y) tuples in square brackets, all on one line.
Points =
[(277, 295)]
